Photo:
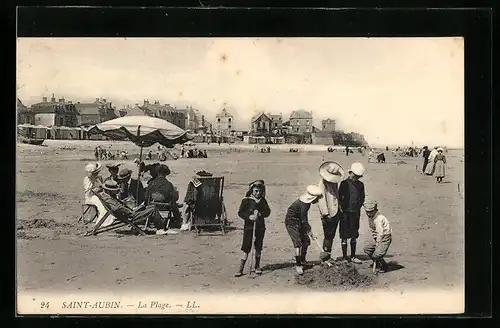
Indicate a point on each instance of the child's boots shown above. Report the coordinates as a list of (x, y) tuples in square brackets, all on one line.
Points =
[(240, 270)]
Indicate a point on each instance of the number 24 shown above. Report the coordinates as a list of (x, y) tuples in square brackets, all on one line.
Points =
[(44, 305)]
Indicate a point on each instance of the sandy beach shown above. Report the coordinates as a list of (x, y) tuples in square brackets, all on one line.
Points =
[(52, 255)]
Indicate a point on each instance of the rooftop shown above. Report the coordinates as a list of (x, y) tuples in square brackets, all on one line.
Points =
[(301, 114)]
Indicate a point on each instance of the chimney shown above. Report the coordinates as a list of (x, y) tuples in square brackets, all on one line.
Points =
[(44, 99)]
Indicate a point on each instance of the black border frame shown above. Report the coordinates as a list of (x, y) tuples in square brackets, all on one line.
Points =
[(476, 25)]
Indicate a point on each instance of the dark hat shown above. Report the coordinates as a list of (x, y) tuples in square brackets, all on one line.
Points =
[(204, 173), (113, 166), (110, 185), (256, 183), (163, 169), (124, 174)]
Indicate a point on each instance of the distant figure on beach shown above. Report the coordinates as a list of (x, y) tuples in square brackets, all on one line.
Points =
[(429, 170), (347, 150), (440, 161), (425, 155)]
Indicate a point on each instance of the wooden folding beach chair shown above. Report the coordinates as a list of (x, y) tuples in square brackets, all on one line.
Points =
[(121, 221), (209, 209), (88, 208)]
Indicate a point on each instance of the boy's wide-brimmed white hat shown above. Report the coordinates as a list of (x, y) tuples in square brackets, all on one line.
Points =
[(358, 169), (440, 149), (93, 167), (312, 192), (331, 172)]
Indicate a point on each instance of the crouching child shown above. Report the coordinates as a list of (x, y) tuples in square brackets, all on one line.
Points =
[(381, 231), (253, 210), (297, 224)]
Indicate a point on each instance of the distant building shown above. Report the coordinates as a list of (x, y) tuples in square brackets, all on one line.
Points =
[(205, 126), (261, 124), (267, 124), (135, 111), (301, 121), (55, 113), (24, 114), (166, 112), (224, 123), (276, 123), (95, 112), (328, 125)]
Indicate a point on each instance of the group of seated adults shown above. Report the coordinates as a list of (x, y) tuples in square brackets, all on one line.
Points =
[(193, 153), (126, 196)]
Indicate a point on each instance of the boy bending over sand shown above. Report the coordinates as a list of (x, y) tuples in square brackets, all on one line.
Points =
[(381, 232)]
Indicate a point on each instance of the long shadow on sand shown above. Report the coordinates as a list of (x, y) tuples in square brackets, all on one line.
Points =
[(364, 257), (393, 266), (285, 265)]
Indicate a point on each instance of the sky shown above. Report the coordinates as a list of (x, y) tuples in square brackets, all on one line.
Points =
[(394, 91)]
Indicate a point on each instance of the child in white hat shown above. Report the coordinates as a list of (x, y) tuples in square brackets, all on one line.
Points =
[(381, 233), (297, 224), (351, 199)]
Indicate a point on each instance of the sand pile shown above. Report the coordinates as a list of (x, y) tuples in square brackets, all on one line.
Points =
[(341, 275)]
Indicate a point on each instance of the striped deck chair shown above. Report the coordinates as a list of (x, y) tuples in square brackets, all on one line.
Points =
[(209, 209), (121, 221)]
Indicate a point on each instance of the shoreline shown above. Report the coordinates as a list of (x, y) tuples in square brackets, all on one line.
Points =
[(90, 144)]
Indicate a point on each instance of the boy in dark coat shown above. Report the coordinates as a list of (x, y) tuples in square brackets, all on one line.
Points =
[(253, 210), (351, 198), (297, 224)]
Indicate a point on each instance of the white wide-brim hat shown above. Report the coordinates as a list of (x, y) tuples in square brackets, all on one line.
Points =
[(440, 149), (358, 169), (312, 192), (331, 172), (93, 167)]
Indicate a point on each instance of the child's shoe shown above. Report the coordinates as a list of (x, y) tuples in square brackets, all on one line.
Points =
[(354, 259), (240, 270)]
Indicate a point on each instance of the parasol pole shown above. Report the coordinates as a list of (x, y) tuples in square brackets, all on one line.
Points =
[(139, 169)]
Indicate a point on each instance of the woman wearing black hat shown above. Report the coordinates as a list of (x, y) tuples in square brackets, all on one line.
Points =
[(113, 172)]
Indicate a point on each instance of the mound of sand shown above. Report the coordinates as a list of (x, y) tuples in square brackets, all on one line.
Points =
[(341, 275)]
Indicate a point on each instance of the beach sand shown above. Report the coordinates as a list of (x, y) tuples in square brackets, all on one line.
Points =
[(427, 221)]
